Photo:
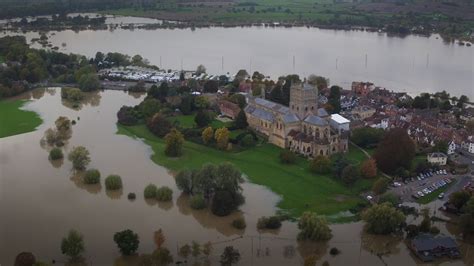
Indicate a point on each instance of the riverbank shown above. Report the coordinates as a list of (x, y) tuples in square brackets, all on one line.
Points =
[(14, 120), (299, 189)]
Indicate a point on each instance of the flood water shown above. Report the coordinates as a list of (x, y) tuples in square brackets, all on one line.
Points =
[(411, 64), (40, 201)]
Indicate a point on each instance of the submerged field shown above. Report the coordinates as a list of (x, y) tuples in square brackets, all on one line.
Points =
[(299, 188), (14, 121)]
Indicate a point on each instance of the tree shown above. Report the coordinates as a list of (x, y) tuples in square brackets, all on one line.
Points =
[(320, 165), (162, 256), (201, 102), (184, 181), (238, 99), (367, 137), (211, 86), (383, 219), (79, 156), (459, 198), (127, 116), (89, 82), (186, 106), (207, 135), (73, 245), (149, 107), (425, 224), (159, 238), (318, 81), (202, 119), (223, 203), (56, 154), (127, 241), (441, 146), (395, 150), (159, 125), (164, 194), (466, 221), (334, 98), (241, 120), (350, 174), (207, 249), (313, 227), (113, 182), (229, 256), (470, 127), (368, 169), (222, 137), (150, 191), (462, 100), (287, 157), (200, 69), (380, 186), (174, 143), (92, 176), (195, 249), (184, 251)]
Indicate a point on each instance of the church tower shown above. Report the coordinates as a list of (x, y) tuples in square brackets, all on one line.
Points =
[(303, 99)]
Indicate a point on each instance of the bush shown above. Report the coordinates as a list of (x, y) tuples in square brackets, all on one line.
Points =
[(131, 196), (92, 176), (239, 223), (150, 191), (272, 222), (113, 182), (380, 186), (164, 194), (334, 251), (197, 202), (247, 141), (56, 154), (287, 157)]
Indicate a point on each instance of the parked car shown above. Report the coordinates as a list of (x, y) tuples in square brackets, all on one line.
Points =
[(441, 195), (369, 197)]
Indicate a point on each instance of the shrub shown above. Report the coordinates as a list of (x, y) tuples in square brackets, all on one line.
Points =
[(131, 196), (56, 154), (287, 157), (92, 176), (239, 223), (334, 251), (150, 191), (113, 182), (197, 202), (320, 165), (380, 186), (247, 141), (272, 222), (164, 194), (79, 156)]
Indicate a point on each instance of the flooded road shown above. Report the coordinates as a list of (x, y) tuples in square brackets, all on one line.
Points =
[(41, 201)]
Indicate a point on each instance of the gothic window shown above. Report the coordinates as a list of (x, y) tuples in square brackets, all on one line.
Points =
[(321, 152), (308, 149), (327, 152), (306, 109), (297, 108), (304, 129), (312, 107), (333, 148), (291, 143)]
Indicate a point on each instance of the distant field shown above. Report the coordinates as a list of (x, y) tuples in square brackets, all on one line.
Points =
[(300, 190), (14, 121)]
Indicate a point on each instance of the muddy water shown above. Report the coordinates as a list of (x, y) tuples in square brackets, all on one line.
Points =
[(40, 201)]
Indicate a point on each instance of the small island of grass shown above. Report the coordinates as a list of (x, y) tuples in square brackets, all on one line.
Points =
[(14, 120)]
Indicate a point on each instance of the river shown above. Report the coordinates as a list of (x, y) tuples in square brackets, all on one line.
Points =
[(411, 64), (40, 201)]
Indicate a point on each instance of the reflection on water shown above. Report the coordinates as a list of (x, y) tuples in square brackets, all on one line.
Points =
[(90, 98), (57, 200)]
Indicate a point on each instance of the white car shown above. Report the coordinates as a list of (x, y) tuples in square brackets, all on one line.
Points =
[(369, 197)]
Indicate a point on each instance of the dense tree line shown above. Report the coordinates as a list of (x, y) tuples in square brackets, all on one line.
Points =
[(24, 66)]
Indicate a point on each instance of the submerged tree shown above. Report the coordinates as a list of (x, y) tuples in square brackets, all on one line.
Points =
[(383, 219), (127, 241), (79, 156), (230, 256), (73, 245), (313, 227)]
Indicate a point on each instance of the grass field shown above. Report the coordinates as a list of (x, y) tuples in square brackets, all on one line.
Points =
[(187, 121), (300, 190), (14, 121)]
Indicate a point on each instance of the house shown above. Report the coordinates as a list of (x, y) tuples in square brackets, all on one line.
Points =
[(451, 147), (362, 88), (428, 247), (437, 158), (363, 112), (340, 123), (229, 109), (468, 144)]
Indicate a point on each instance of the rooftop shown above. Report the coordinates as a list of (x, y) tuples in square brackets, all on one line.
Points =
[(339, 119)]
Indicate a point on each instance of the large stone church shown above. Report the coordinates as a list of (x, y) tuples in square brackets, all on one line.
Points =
[(302, 127)]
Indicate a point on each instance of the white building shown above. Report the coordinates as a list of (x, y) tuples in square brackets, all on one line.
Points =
[(437, 158), (468, 145), (340, 123), (451, 147)]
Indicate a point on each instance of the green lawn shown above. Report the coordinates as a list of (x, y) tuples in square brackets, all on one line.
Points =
[(14, 121), (434, 195), (300, 189), (187, 121)]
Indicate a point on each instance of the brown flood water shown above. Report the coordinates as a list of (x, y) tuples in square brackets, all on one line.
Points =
[(40, 201)]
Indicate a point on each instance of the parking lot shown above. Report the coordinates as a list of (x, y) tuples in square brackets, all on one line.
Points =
[(427, 183)]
